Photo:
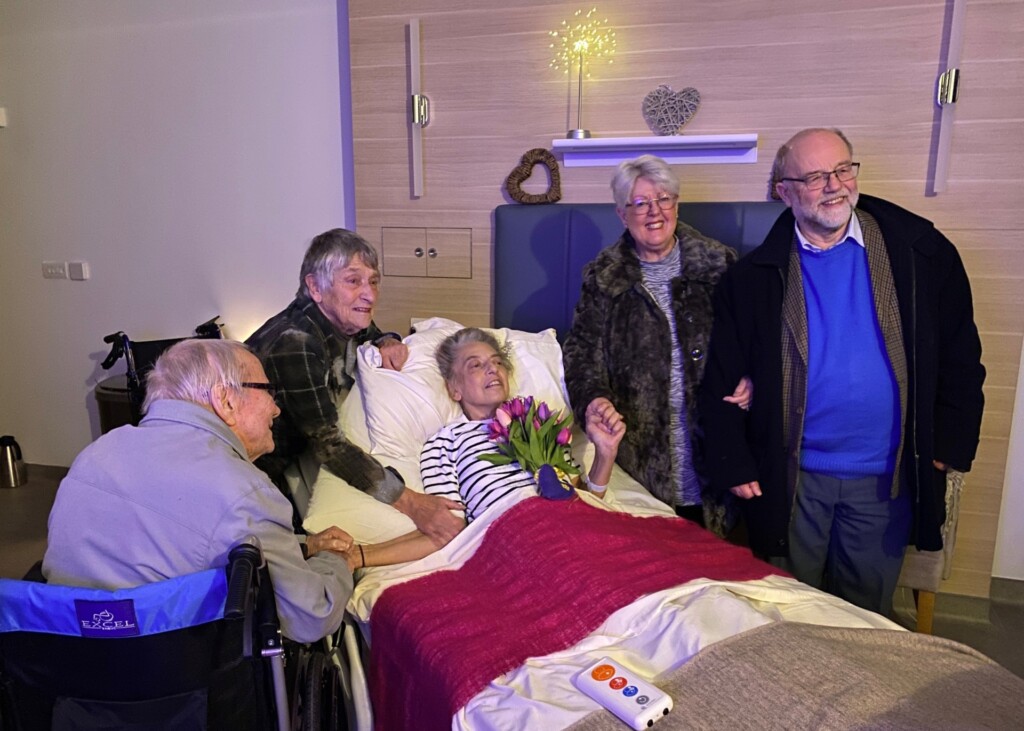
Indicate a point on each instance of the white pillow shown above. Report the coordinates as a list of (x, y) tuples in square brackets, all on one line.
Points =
[(403, 409), (352, 420), (335, 502), (366, 519)]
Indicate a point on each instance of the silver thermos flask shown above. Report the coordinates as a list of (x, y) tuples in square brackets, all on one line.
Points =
[(13, 471)]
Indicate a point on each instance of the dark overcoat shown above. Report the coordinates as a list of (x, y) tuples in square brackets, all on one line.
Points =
[(943, 355)]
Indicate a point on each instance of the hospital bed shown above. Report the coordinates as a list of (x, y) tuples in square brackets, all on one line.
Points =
[(751, 624)]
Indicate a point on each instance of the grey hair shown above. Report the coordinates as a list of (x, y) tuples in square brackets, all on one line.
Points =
[(648, 167), (782, 156), (333, 250), (449, 348), (189, 370)]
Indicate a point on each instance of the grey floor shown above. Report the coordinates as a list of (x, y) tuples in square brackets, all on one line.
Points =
[(994, 627)]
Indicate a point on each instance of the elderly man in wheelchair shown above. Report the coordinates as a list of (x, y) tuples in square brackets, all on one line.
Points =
[(170, 499)]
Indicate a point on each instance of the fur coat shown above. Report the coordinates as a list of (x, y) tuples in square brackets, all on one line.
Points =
[(619, 347)]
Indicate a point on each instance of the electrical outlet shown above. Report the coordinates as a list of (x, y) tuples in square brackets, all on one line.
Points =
[(55, 270)]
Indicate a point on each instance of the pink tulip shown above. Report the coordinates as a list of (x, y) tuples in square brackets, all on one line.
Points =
[(517, 408), (503, 417), (536, 424), (497, 432), (564, 436)]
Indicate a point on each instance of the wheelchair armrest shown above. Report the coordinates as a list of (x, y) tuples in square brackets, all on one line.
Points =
[(268, 626), (243, 562)]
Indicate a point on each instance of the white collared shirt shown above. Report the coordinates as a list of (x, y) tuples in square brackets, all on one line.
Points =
[(853, 231)]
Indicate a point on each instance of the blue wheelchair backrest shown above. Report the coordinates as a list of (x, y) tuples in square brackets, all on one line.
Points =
[(186, 601)]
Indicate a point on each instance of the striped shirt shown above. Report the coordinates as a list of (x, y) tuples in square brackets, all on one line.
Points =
[(450, 467)]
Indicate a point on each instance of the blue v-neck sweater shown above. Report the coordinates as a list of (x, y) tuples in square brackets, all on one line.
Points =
[(852, 422)]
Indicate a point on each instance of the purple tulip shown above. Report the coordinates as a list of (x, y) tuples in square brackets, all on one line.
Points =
[(564, 436), (543, 411), (517, 408)]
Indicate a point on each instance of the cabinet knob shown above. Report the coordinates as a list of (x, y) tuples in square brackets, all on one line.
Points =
[(418, 252), (432, 252)]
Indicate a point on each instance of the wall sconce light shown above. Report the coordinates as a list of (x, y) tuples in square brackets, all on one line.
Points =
[(947, 93), (581, 42), (419, 109)]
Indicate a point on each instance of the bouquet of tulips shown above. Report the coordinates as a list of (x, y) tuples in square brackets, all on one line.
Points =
[(530, 433)]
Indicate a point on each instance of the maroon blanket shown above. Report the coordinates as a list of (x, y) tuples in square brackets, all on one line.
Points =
[(545, 575)]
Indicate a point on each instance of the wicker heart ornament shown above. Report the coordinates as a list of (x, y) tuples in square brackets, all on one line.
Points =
[(515, 179), (666, 110)]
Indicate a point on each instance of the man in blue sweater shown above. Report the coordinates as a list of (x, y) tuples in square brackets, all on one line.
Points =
[(855, 321)]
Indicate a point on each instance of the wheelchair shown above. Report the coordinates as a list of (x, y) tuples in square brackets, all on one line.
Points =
[(140, 355), (202, 651)]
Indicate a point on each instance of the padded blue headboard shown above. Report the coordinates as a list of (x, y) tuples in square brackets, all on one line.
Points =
[(540, 251)]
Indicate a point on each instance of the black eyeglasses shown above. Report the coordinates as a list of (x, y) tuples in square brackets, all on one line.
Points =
[(641, 206), (268, 387), (817, 181)]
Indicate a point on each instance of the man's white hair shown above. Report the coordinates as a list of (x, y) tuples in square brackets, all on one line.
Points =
[(188, 371)]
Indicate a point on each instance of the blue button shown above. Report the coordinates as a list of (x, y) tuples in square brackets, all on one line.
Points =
[(630, 690)]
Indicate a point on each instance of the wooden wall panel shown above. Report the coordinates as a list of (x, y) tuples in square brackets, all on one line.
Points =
[(770, 68)]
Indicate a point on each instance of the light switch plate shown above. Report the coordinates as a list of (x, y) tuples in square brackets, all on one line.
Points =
[(78, 270)]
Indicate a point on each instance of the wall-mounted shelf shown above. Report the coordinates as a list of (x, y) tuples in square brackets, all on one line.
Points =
[(674, 149)]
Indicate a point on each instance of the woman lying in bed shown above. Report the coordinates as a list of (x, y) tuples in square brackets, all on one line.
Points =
[(476, 372)]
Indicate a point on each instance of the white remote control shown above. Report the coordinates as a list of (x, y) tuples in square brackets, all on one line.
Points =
[(632, 699)]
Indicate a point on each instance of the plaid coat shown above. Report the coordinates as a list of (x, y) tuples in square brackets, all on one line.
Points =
[(313, 367)]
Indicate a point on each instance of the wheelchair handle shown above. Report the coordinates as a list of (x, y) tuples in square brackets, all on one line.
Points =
[(116, 342), (244, 561)]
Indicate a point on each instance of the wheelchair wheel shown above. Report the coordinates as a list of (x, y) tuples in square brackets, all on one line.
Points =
[(319, 698)]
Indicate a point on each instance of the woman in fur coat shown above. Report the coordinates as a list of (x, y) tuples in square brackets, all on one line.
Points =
[(640, 333)]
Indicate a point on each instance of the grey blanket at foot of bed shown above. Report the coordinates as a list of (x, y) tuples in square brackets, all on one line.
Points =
[(787, 675)]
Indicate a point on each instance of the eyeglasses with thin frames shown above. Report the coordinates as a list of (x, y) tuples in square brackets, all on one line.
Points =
[(642, 206), (268, 387), (818, 180)]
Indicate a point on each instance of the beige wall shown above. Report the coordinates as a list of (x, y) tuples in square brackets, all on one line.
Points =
[(770, 68), (186, 150)]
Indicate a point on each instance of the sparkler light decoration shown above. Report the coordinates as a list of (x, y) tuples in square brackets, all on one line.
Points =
[(581, 41)]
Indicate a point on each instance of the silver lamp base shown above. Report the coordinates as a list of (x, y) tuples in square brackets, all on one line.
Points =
[(578, 134)]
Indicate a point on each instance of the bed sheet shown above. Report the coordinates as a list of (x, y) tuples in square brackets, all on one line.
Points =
[(652, 636)]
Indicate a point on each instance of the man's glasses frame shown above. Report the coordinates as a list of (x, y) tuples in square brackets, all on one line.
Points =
[(642, 206), (816, 181), (268, 387)]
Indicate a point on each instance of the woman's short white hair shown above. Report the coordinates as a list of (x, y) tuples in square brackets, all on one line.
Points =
[(333, 250), (189, 370), (648, 167)]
